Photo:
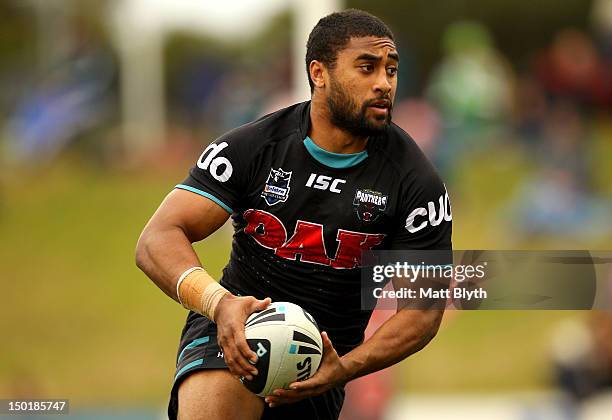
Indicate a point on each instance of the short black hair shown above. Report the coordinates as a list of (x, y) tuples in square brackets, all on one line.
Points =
[(333, 32)]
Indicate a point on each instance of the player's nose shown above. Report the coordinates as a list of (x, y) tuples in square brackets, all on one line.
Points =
[(382, 83)]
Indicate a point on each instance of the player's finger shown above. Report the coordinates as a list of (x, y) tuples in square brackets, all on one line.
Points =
[(245, 350), (287, 397), (273, 404), (233, 358), (235, 367), (297, 394), (327, 344), (308, 384), (239, 358), (275, 401), (242, 365), (284, 394), (259, 305)]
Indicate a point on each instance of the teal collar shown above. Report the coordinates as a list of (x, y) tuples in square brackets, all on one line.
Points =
[(334, 160)]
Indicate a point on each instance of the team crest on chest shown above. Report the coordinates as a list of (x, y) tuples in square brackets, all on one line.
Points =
[(369, 205), (277, 187)]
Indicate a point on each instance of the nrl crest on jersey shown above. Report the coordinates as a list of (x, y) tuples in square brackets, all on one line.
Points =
[(277, 187), (369, 205)]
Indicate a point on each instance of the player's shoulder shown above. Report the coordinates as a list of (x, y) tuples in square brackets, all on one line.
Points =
[(421, 185), (267, 129), (406, 157)]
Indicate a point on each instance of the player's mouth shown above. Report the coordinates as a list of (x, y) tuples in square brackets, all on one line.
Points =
[(380, 106)]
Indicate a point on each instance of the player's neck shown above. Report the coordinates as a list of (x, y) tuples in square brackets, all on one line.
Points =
[(330, 137)]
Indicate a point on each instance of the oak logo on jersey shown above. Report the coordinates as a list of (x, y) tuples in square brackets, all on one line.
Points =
[(277, 187), (369, 205), (307, 244)]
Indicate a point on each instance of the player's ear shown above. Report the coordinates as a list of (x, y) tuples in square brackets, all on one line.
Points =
[(317, 73)]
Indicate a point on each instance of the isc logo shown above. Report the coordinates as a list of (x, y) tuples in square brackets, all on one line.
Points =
[(323, 182), (210, 162)]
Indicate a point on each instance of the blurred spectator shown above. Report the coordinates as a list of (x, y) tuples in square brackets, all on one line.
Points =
[(472, 83), (573, 69), (553, 114), (551, 204), (196, 81), (471, 88), (564, 141), (74, 96), (557, 199), (602, 25), (530, 109), (237, 100)]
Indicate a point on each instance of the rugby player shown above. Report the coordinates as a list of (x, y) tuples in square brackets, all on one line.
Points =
[(308, 188)]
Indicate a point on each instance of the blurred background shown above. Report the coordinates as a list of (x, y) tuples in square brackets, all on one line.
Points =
[(106, 104)]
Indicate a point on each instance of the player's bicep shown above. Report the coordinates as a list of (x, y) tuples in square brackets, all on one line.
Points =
[(423, 293), (196, 215)]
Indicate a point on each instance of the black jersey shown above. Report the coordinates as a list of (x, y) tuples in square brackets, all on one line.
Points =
[(302, 215)]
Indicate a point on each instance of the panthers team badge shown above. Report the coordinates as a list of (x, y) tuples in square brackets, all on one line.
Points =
[(277, 187), (369, 205)]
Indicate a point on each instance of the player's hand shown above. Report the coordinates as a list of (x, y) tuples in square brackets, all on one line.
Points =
[(230, 315), (331, 373)]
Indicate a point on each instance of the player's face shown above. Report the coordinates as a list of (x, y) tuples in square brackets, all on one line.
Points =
[(362, 86)]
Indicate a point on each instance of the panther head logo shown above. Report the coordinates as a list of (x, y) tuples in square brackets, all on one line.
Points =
[(369, 205)]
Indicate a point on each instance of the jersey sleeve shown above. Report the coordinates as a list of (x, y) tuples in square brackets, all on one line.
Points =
[(219, 174), (425, 219)]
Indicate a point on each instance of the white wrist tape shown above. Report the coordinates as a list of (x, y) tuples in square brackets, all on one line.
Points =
[(180, 280), (210, 298), (199, 292)]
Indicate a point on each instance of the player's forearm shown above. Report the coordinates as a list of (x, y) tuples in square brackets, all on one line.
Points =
[(405, 333), (163, 254)]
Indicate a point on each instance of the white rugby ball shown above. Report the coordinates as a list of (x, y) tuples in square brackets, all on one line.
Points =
[(288, 344)]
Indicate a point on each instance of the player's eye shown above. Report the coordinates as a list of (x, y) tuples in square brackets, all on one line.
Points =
[(391, 71), (368, 68)]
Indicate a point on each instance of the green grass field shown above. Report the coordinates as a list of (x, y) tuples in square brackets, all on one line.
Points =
[(80, 321)]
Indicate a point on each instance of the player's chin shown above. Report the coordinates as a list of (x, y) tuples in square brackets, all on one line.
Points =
[(379, 116), (379, 123)]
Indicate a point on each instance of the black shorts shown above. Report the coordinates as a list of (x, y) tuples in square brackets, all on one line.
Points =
[(199, 350)]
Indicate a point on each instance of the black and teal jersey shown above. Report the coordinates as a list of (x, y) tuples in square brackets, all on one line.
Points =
[(302, 215)]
